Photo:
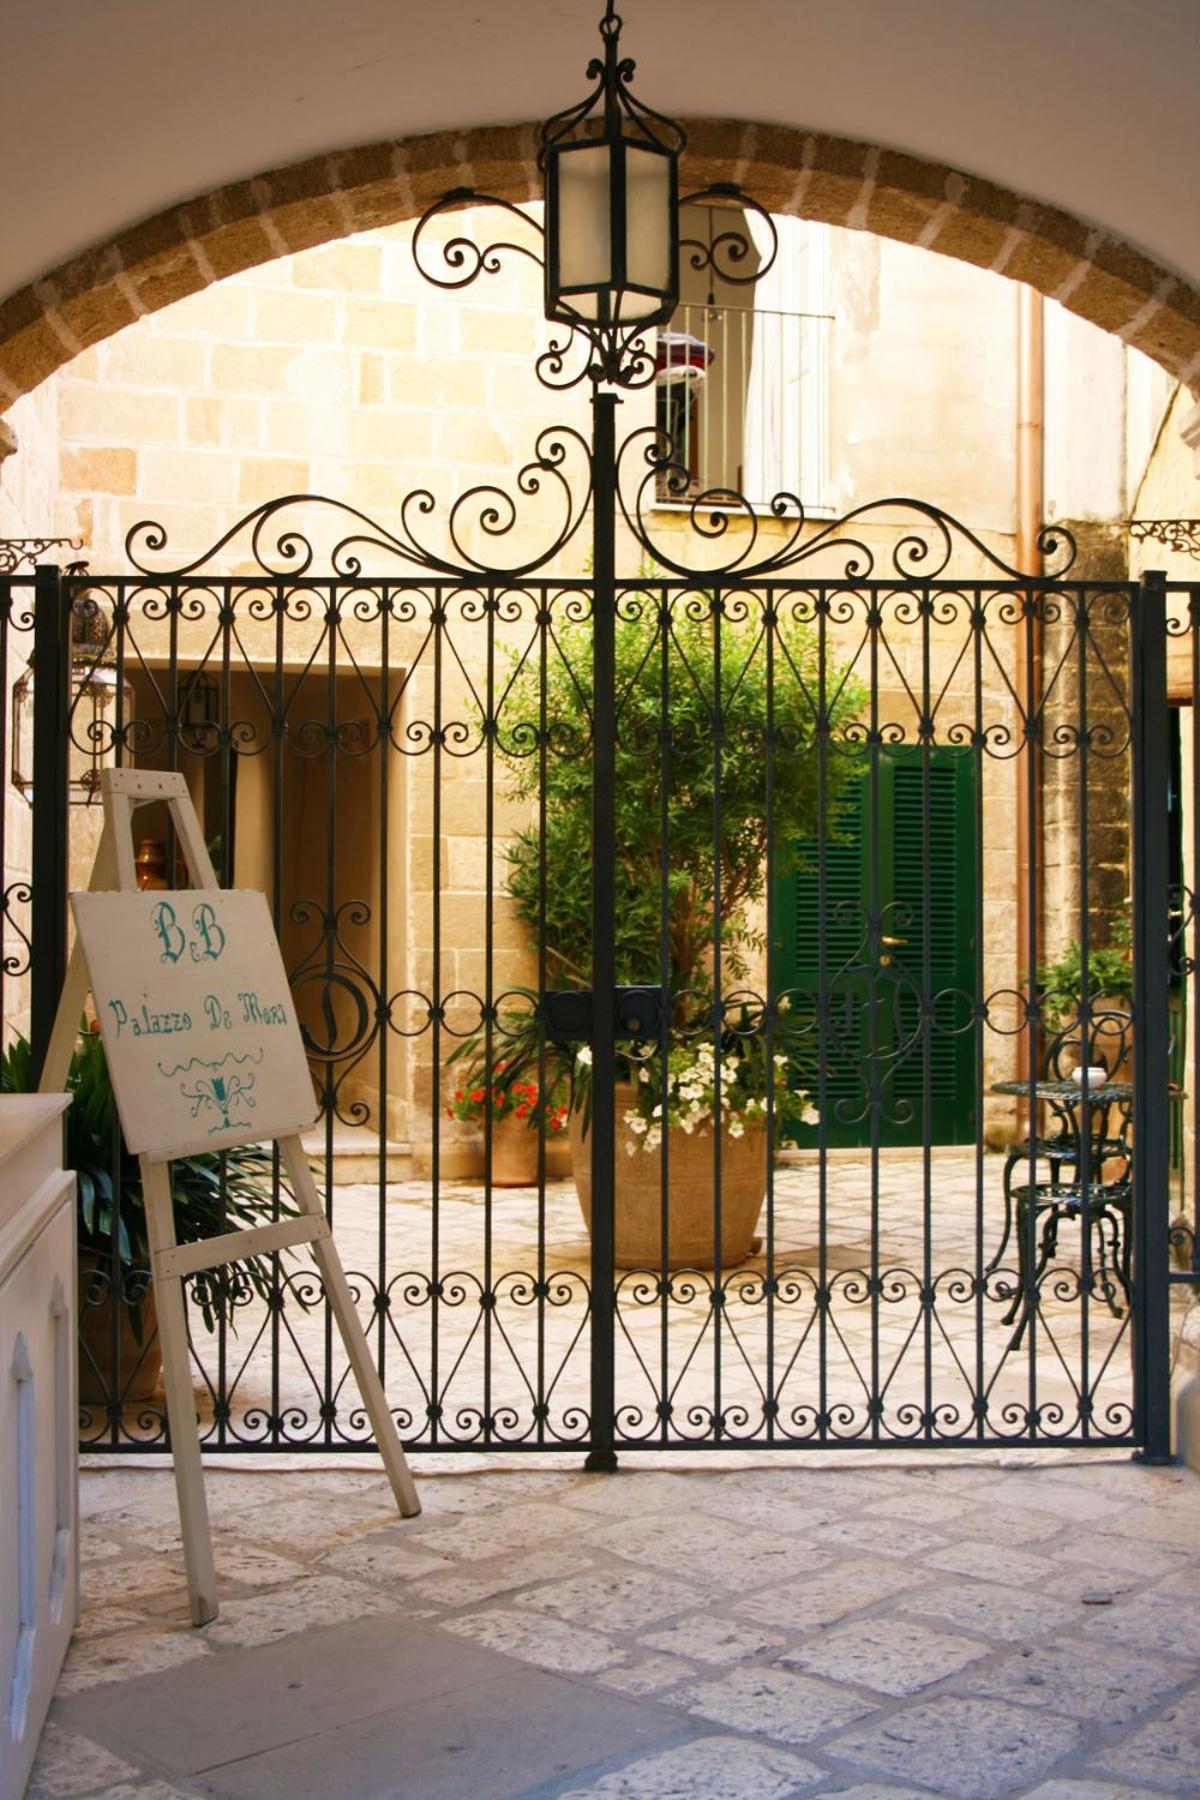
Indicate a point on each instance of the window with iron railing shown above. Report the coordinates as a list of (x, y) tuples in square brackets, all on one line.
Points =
[(743, 380)]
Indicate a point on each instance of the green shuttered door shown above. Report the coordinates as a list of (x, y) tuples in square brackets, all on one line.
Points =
[(904, 858)]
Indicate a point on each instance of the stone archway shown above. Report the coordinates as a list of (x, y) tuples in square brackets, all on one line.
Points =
[(835, 180)]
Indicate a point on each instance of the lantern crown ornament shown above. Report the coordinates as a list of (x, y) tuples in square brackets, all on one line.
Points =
[(611, 170)]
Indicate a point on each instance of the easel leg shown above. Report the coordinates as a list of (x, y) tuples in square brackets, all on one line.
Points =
[(353, 1336), (181, 1405)]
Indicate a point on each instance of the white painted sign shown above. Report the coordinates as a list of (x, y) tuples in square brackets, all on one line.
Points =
[(198, 1023)]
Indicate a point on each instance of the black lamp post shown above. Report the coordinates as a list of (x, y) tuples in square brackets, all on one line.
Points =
[(611, 224), (611, 256)]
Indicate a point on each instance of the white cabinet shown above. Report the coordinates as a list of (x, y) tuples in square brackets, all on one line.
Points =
[(38, 1484)]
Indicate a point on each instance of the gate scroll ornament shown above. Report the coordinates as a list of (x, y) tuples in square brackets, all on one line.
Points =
[(803, 1346)]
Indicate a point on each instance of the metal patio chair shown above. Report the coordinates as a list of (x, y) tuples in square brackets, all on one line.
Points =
[(1105, 1042)]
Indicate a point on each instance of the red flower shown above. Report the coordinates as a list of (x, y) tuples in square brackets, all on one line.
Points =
[(458, 1093), (477, 1096)]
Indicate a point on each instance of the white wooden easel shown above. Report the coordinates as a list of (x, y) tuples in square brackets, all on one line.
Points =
[(122, 791)]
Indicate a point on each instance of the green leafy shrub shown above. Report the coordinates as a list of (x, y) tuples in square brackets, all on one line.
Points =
[(715, 734), (706, 705), (1110, 976)]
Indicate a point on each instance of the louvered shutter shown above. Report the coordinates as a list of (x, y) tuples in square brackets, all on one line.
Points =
[(947, 972), (799, 966), (897, 801)]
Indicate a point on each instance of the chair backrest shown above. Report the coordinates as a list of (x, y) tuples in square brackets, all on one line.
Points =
[(1105, 1042)]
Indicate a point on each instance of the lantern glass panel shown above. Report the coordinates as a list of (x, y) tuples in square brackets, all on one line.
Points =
[(98, 701), (647, 230), (584, 225), (21, 766)]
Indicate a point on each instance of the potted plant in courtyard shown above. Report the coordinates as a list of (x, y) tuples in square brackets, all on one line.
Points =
[(516, 1107), (1109, 979), (212, 1192), (676, 1115), (704, 719)]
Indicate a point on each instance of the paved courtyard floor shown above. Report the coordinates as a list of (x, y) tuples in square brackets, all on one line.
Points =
[(486, 1326), (870, 1627)]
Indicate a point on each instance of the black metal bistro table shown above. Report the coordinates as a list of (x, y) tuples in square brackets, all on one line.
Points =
[(1103, 1206)]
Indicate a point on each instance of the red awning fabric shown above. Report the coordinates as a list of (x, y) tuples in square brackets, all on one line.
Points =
[(681, 357)]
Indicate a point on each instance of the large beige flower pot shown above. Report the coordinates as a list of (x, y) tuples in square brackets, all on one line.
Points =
[(690, 1238)]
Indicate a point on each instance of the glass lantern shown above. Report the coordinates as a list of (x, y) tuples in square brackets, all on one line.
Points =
[(101, 704)]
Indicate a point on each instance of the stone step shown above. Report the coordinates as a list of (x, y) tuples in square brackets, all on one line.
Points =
[(356, 1156)]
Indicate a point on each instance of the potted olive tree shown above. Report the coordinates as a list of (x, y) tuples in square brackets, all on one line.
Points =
[(702, 729)]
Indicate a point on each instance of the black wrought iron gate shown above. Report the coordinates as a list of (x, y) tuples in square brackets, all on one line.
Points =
[(528, 838)]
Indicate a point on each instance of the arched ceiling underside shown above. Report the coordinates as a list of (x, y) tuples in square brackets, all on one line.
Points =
[(1055, 140), (116, 110), (837, 180)]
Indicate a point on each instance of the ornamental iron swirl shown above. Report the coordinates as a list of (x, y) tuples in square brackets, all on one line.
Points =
[(624, 355), (18, 553), (285, 551), (723, 521)]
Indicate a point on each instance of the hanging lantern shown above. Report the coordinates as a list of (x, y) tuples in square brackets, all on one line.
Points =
[(611, 170), (100, 705)]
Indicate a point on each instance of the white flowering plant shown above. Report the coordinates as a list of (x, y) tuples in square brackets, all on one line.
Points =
[(695, 1093), (743, 1087)]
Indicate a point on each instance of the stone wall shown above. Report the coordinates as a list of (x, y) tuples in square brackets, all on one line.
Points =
[(1168, 491), (1090, 794)]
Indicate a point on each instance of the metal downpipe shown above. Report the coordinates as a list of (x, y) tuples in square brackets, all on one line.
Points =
[(1030, 510)]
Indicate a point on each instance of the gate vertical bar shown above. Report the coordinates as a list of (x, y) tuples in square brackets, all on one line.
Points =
[(51, 775), (1151, 1062), (602, 1455)]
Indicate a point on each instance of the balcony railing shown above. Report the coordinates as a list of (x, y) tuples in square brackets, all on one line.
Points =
[(743, 393)]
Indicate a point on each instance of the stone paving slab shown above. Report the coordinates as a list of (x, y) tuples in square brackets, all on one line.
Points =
[(963, 1747), (249, 1701), (504, 1738), (887, 1656), (709, 1768), (705, 1632)]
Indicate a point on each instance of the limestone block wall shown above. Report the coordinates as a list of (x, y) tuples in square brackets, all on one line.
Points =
[(335, 372), (1168, 490), (1089, 796)]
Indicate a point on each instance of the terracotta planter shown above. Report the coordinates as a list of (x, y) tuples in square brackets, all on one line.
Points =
[(690, 1242), (514, 1154), (138, 1375)]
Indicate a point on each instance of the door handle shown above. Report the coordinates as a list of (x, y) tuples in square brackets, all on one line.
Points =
[(885, 939)]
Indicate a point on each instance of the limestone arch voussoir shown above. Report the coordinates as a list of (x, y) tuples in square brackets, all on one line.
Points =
[(836, 180)]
